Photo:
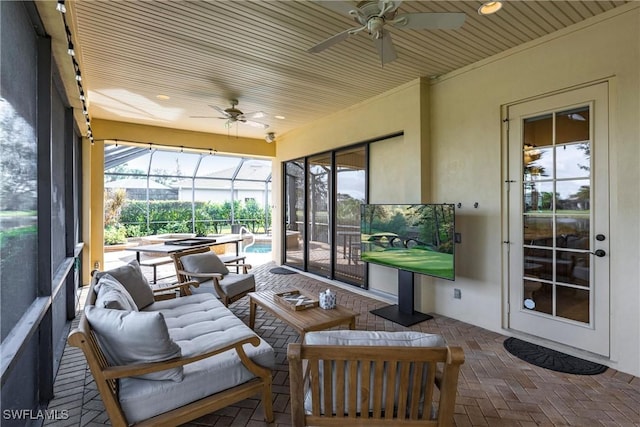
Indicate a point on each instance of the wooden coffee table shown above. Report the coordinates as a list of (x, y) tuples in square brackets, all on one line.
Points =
[(303, 321)]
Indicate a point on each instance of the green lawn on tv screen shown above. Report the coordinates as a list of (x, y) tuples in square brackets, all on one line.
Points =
[(417, 260)]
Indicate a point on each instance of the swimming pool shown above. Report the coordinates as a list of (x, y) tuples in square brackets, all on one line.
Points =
[(259, 248)]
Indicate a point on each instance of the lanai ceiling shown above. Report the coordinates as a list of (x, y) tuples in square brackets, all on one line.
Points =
[(202, 53)]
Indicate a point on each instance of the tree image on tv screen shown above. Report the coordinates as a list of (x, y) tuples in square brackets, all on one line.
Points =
[(418, 237)]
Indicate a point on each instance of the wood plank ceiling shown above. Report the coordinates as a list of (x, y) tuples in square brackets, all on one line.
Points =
[(202, 53)]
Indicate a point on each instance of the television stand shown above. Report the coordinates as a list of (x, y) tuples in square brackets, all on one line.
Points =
[(403, 312)]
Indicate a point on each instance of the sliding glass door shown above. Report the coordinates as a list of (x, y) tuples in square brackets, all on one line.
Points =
[(322, 198), (294, 187), (318, 214)]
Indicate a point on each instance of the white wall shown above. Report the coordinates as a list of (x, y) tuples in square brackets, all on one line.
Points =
[(467, 161)]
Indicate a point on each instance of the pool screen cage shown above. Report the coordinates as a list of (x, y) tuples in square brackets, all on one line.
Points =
[(151, 190)]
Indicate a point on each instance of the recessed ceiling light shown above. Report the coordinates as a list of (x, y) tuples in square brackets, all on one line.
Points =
[(490, 7), (163, 97), (280, 117)]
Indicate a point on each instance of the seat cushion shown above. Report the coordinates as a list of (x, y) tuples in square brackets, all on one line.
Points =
[(112, 294), (368, 338), (232, 284), (197, 323), (206, 262), (129, 337), (131, 277)]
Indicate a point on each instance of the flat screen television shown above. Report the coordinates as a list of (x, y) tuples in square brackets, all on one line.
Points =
[(414, 237)]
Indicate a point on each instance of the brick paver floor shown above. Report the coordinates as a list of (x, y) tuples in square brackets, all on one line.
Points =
[(495, 388)]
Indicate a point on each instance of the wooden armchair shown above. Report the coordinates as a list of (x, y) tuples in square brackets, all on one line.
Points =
[(373, 385), (213, 274)]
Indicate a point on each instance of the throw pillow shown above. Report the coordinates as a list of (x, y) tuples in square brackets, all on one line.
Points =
[(131, 277), (128, 337), (112, 294), (206, 262)]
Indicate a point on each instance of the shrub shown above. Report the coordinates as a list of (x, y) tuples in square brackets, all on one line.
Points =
[(115, 234)]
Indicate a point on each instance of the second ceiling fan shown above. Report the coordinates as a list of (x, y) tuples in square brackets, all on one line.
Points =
[(372, 16), (234, 115)]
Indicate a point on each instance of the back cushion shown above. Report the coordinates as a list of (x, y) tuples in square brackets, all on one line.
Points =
[(206, 262), (131, 277), (127, 337), (112, 294)]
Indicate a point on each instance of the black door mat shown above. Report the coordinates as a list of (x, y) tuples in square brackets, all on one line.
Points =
[(551, 359), (281, 270)]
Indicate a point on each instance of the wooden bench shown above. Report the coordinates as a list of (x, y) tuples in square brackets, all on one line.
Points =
[(154, 263)]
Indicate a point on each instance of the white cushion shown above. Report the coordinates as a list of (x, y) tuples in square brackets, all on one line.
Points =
[(131, 277), (367, 338), (206, 262), (197, 323), (129, 337), (112, 294), (374, 338)]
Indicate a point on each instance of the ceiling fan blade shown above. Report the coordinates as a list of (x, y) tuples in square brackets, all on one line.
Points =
[(429, 21), (220, 110), (331, 41), (255, 115), (343, 7), (203, 117), (386, 50), (255, 124)]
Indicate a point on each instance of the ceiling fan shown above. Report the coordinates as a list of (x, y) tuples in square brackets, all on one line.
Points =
[(372, 16), (234, 115)]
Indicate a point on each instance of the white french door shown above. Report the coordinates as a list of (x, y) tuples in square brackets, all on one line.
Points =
[(558, 229)]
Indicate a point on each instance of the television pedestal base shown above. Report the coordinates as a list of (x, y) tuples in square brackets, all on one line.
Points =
[(403, 313), (393, 313)]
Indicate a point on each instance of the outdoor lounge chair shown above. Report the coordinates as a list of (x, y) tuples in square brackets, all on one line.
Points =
[(204, 266)]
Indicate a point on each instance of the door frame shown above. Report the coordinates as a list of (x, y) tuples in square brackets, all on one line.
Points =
[(508, 186)]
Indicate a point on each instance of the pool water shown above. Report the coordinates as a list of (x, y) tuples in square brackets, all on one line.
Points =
[(259, 248)]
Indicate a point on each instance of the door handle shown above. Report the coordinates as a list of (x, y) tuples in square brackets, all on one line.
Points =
[(599, 253)]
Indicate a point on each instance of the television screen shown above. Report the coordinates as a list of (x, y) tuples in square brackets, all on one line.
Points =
[(417, 238)]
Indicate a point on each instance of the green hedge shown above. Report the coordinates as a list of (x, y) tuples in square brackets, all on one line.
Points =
[(173, 216)]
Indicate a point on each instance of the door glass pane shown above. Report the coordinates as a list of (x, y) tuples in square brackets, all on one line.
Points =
[(538, 230), (319, 209), (573, 195), (294, 213), (538, 296), (556, 207), (572, 303), (572, 160), (350, 194), (538, 195), (572, 125)]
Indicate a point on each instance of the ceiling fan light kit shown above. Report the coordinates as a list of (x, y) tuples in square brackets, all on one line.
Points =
[(372, 16), (490, 7)]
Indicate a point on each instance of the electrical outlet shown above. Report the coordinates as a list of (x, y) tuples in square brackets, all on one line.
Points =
[(96, 265), (457, 294)]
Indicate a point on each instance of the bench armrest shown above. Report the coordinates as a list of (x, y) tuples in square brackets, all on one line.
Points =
[(160, 290), (123, 371)]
